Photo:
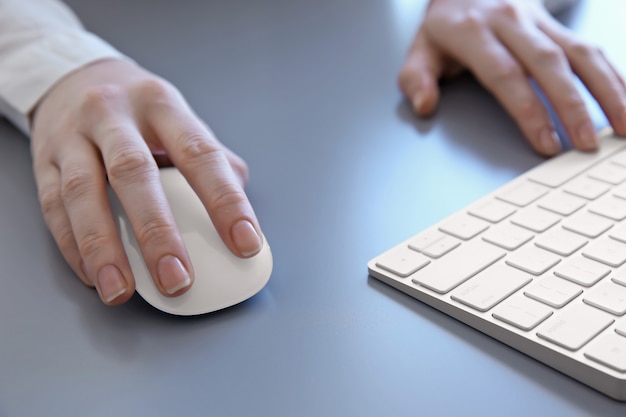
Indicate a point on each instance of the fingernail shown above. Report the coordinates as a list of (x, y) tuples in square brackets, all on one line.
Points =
[(587, 136), (549, 141), (172, 274), (418, 102), (246, 239), (111, 283)]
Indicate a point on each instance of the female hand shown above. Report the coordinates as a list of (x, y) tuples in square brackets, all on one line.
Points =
[(115, 120), (504, 43)]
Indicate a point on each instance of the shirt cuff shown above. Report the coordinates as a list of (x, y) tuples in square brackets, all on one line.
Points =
[(32, 70)]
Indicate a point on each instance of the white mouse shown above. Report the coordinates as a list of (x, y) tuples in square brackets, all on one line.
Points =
[(221, 279)]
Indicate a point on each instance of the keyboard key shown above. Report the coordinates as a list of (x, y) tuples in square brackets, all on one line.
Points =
[(434, 243), (491, 286), (619, 233), (533, 260), (586, 188), (609, 350), (492, 210), (460, 264), (507, 236), (561, 241), (425, 239), (619, 191), (543, 257), (619, 277), (402, 261), (606, 250), (587, 224), (608, 172), (575, 327), (463, 226), (611, 207), (564, 168), (582, 271), (553, 291), (522, 312), (620, 327), (609, 297), (535, 219), (522, 193), (562, 203), (619, 158)]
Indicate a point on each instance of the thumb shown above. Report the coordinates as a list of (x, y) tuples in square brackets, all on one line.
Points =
[(419, 77)]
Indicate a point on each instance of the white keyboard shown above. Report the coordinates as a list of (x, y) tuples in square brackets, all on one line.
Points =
[(539, 264)]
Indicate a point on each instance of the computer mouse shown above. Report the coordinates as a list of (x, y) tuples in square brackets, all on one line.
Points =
[(221, 279)]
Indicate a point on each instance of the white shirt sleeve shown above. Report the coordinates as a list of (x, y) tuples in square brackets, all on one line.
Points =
[(41, 41)]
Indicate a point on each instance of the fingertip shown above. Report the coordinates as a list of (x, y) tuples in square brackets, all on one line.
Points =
[(173, 276), (424, 102), (585, 137), (548, 143), (112, 287), (246, 238), (619, 123)]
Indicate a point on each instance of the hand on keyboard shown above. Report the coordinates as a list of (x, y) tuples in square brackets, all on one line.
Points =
[(502, 42)]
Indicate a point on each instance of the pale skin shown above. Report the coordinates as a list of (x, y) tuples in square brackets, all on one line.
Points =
[(115, 120), (503, 43)]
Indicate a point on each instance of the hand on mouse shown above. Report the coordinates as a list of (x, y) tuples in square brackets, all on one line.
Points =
[(113, 119), (503, 43)]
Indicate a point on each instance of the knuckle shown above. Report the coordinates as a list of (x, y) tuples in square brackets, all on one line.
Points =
[(549, 56), (154, 230), (156, 88), (195, 147), (471, 22), (129, 164), (100, 98), (50, 201), (227, 197), (91, 242), (507, 9), (505, 73), (585, 51), (75, 184), (574, 104), (159, 94)]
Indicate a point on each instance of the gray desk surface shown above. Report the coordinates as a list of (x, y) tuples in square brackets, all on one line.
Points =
[(305, 91)]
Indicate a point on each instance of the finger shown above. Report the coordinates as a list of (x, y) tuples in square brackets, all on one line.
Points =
[(83, 189), (419, 77), (48, 180), (239, 166), (600, 77), (496, 69), (201, 159), (546, 62), (134, 176)]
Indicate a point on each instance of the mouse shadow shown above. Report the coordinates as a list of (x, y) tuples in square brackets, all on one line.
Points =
[(123, 332)]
